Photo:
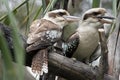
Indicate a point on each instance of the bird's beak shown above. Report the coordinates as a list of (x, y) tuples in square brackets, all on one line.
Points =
[(71, 18), (106, 19)]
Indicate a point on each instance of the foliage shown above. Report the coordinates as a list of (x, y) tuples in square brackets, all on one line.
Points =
[(95, 3)]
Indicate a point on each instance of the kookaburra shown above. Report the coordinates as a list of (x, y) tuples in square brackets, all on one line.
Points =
[(87, 33), (43, 34)]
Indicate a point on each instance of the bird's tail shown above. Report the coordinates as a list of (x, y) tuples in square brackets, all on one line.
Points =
[(40, 62)]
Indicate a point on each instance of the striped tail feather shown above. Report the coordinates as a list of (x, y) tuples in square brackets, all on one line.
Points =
[(40, 62)]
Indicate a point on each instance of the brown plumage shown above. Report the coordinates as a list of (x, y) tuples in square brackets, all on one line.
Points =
[(39, 36), (39, 39), (39, 59), (43, 34)]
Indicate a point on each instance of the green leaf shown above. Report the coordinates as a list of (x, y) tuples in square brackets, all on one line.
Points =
[(95, 3), (17, 43), (6, 15), (115, 8), (38, 13), (7, 20), (50, 6), (28, 13), (8, 68), (44, 4)]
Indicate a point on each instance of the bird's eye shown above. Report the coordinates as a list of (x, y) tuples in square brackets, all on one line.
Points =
[(61, 13), (95, 13)]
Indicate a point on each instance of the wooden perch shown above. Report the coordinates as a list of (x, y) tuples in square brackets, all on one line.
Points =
[(104, 51), (69, 68), (72, 69), (103, 67)]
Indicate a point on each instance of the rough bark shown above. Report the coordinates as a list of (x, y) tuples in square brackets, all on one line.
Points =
[(70, 69), (73, 69), (103, 67)]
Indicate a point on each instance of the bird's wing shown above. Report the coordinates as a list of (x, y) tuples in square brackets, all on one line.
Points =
[(42, 34), (72, 44), (96, 54)]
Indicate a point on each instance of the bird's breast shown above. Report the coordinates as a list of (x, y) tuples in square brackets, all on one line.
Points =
[(88, 42)]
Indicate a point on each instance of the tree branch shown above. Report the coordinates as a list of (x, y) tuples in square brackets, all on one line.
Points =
[(72, 69), (103, 67)]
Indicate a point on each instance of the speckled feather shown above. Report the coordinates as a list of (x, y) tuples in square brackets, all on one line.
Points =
[(42, 36), (43, 33), (40, 62), (71, 45)]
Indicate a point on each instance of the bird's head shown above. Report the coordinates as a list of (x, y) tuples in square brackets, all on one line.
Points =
[(96, 17), (60, 17)]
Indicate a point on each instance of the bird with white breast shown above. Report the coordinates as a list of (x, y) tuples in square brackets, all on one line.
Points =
[(87, 33)]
